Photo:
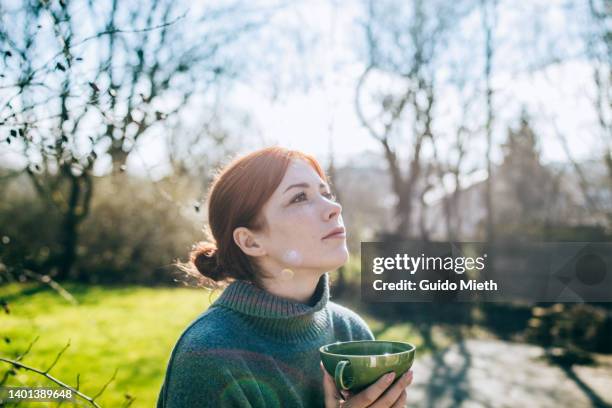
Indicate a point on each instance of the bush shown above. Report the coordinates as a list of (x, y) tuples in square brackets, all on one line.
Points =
[(28, 227), (570, 332), (134, 231)]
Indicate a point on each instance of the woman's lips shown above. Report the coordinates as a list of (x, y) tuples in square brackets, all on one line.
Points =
[(336, 233)]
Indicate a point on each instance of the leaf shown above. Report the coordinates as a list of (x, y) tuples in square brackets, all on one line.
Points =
[(94, 87), (60, 66), (8, 54), (13, 133)]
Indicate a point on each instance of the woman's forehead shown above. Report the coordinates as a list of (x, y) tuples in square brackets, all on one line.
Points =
[(300, 171)]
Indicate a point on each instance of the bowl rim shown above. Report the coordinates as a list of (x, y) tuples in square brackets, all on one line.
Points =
[(403, 343)]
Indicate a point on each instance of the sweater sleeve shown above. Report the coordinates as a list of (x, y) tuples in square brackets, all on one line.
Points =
[(200, 379)]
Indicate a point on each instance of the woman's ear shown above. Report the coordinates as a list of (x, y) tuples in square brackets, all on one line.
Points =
[(246, 240)]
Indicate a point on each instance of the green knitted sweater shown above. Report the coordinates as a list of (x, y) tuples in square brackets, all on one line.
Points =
[(255, 349)]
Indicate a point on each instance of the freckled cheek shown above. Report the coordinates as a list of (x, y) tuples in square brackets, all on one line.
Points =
[(301, 225)]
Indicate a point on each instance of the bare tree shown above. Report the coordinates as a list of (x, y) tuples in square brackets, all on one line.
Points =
[(488, 24), (599, 50), (403, 42), (83, 80), (595, 47)]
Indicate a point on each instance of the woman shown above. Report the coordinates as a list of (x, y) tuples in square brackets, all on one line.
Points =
[(277, 231)]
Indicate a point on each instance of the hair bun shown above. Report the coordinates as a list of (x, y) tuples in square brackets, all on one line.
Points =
[(204, 257)]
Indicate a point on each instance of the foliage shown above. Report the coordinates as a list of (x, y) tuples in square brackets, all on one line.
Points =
[(569, 331), (136, 230)]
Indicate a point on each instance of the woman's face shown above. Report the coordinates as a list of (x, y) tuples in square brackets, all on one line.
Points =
[(299, 214)]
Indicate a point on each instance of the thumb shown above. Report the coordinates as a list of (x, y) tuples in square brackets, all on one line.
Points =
[(329, 389)]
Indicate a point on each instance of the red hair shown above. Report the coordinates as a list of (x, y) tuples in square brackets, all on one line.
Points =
[(235, 199)]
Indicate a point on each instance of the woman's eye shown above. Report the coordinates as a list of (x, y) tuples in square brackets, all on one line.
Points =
[(295, 199), (330, 196), (298, 197)]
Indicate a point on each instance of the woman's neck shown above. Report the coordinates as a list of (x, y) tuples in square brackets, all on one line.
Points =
[(297, 286)]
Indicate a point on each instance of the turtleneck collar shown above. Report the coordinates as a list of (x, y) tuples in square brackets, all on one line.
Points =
[(281, 318)]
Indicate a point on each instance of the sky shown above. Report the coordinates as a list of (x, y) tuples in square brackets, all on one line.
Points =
[(320, 117), (323, 117)]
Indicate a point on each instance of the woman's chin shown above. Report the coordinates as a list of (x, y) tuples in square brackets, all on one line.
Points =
[(340, 258)]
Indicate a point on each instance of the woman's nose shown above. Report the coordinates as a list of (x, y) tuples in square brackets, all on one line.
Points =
[(333, 210)]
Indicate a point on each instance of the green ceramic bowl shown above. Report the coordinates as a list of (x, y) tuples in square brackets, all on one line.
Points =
[(357, 364)]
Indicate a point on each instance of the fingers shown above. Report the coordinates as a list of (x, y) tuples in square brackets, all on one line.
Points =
[(346, 394), (329, 389), (368, 396), (401, 401), (393, 394)]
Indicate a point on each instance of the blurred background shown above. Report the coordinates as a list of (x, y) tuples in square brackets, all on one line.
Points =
[(482, 120)]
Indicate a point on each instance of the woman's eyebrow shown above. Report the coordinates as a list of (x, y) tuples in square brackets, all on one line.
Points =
[(306, 185)]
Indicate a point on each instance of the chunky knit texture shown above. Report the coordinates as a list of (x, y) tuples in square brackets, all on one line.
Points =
[(254, 349)]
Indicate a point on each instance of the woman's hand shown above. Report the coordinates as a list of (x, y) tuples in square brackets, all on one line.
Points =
[(377, 395)]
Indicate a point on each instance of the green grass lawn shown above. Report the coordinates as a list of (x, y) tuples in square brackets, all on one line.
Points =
[(132, 329)]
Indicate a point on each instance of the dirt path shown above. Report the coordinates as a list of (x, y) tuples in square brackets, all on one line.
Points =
[(490, 373)]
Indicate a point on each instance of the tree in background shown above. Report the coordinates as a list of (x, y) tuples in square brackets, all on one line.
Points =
[(526, 185), (403, 45), (83, 82)]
